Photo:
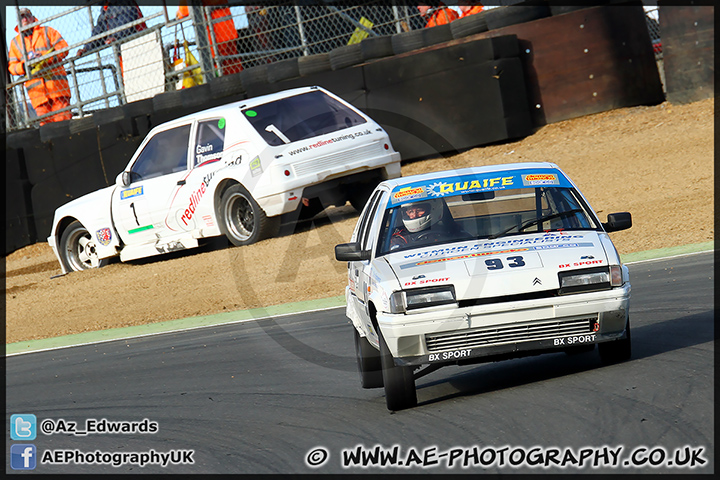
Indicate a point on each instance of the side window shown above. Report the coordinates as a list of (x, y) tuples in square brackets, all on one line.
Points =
[(210, 141), (365, 234), (365, 215), (165, 153)]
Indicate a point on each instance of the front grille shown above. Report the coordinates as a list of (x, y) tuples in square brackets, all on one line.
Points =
[(339, 159), (488, 336)]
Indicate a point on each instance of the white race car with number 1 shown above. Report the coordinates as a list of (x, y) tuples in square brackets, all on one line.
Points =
[(230, 170)]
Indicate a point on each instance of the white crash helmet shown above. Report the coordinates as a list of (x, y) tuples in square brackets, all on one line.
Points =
[(433, 214)]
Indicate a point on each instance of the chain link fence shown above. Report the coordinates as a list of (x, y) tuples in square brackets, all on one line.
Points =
[(173, 51), (168, 51)]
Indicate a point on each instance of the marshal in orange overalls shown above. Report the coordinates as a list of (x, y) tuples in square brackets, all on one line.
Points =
[(49, 90), (439, 15), (467, 10), (226, 35)]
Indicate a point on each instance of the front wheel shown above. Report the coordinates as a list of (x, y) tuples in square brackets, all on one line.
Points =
[(616, 351), (78, 250), (368, 360), (399, 382), (242, 220)]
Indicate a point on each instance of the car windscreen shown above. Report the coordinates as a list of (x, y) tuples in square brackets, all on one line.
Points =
[(479, 214), (300, 117)]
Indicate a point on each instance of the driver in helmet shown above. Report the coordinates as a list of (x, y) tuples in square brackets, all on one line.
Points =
[(416, 220)]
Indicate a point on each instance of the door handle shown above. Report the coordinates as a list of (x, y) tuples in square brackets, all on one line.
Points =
[(181, 182), (357, 272)]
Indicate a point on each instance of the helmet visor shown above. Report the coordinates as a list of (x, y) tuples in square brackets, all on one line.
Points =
[(415, 210)]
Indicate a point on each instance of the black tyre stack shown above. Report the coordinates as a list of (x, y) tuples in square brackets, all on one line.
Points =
[(444, 100)]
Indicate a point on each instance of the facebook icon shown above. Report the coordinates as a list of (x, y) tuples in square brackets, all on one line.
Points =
[(22, 457)]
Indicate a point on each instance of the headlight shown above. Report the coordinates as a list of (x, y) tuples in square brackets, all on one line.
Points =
[(589, 279), (421, 298)]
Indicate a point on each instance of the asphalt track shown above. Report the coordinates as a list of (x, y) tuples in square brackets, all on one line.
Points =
[(274, 394)]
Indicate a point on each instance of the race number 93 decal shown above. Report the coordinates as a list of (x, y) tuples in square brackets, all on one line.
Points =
[(497, 264)]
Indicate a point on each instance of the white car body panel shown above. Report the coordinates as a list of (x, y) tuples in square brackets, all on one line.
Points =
[(96, 220), (170, 212)]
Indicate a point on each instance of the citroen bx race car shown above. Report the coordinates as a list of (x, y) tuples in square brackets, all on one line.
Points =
[(231, 170), (481, 264)]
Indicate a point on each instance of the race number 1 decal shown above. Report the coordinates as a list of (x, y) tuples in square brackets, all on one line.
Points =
[(132, 205)]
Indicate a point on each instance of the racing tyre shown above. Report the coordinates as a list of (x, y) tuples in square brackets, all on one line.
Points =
[(368, 360), (437, 34), (345, 56), (320, 62), (283, 70), (470, 25), (398, 381), (616, 351), (376, 47), (407, 41), (359, 196), (78, 250), (242, 220)]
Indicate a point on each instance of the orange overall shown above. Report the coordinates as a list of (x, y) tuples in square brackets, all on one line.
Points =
[(49, 90), (441, 16), (225, 34)]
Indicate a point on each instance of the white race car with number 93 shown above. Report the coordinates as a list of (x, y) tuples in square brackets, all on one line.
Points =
[(481, 264)]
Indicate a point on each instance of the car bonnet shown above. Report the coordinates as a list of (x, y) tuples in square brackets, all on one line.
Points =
[(510, 265)]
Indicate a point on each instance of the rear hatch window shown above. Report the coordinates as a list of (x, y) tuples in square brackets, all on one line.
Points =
[(300, 117)]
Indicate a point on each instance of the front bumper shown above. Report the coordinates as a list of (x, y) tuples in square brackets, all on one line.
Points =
[(512, 328)]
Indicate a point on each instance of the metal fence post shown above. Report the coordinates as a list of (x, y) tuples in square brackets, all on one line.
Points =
[(201, 38), (301, 30)]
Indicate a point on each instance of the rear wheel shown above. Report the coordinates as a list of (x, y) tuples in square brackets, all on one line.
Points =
[(368, 360), (241, 218), (398, 381), (78, 249), (616, 351), (359, 195)]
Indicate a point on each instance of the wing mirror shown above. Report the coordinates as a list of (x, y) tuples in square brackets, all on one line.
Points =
[(618, 221), (350, 252), (124, 179)]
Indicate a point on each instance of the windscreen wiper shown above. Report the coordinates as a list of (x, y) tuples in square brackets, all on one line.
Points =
[(530, 223)]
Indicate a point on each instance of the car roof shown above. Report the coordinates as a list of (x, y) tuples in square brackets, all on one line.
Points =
[(249, 102), (423, 177)]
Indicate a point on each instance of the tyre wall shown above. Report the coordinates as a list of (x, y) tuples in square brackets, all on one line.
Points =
[(494, 77)]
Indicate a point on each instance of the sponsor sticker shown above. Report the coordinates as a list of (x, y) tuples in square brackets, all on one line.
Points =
[(469, 184), (575, 339), (104, 235), (585, 263), (256, 167), (425, 281), (131, 192), (540, 179), (453, 355), (409, 193)]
